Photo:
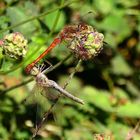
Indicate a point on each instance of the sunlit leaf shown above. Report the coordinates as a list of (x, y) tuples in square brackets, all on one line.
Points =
[(50, 20), (77, 134), (17, 15), (99, 98), (120, 66), (128, 110), (108, 5)]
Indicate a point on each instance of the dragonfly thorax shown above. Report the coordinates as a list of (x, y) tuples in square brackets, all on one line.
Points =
[(42, 79)]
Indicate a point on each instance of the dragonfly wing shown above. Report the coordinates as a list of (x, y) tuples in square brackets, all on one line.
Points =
[(38, 100), (50, 94), (30, 99), (44, 111), (46, 98)]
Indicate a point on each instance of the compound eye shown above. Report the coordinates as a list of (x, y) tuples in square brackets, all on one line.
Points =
[(34, 71)]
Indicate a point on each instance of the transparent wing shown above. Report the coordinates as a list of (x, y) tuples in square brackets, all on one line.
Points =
[(46, 100), (30, 99), (40, 99), (50, 94)]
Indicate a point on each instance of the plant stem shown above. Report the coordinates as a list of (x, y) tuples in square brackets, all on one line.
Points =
[(26, 82), (72, 74), (16, 86), (59, 63)]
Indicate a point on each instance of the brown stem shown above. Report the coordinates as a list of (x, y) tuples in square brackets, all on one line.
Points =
[(52, 106)]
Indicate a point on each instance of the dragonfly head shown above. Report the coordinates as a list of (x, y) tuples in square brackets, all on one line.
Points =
[(34, 71)]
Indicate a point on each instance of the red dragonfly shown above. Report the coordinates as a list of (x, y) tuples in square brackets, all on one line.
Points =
[(66, 34), (82, 39)]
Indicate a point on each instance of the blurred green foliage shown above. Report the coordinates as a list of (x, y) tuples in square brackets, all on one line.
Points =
[(109, 84)]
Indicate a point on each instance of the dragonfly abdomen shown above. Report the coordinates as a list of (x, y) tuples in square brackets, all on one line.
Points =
[(54, 85)]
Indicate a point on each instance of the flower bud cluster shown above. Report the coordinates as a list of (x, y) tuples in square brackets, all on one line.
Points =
[(14, 45), (83, 40)]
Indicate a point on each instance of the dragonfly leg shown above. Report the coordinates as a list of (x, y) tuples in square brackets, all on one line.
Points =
[(48, 62), (50, 66), (44, 71)]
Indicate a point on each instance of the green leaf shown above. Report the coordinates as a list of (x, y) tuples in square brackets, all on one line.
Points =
[(120, 66), (3, 132), (110, 39), (117, 25), (132, 88), (129, 110), (77, 134), (21, 134), (104, 6), (50, 19), (128, 3), (119, 130), (120, 93), (99, 98), (3, 24), (17, 15)]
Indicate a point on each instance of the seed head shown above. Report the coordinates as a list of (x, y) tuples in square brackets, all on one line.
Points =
[(84, 41), (14, 45)]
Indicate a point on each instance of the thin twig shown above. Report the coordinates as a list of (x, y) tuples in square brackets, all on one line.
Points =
[(72, 74), (52, 106), (59, 63), (133, 131), (16, 86)]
